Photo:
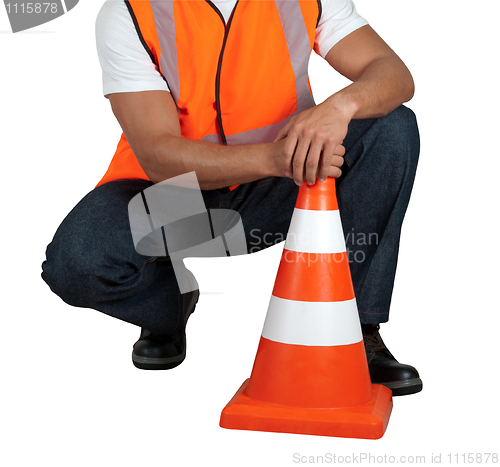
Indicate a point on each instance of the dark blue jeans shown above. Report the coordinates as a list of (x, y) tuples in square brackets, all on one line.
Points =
[(92, 262)]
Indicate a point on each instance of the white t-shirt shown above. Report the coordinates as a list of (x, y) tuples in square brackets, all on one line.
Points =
[(127, 67)]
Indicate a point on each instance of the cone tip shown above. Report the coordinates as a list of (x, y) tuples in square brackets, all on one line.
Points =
[(321, 196)]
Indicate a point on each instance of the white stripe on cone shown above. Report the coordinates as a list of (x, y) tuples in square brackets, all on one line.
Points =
[(315, 232), (312, 323)]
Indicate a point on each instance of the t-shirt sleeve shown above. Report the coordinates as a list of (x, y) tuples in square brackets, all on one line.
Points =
[(126, 65), (338, 19)]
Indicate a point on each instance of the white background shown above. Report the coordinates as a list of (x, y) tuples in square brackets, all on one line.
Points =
[(70, 395)]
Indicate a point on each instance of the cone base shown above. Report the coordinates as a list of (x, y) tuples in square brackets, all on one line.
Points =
[(367, 421)]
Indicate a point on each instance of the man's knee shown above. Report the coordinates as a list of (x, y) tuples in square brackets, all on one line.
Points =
[(92, 252), (399, 128), (69, 275)]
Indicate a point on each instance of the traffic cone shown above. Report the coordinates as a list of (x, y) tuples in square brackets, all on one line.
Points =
[(310, 374)]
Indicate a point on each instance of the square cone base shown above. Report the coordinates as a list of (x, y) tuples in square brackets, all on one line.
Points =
[(367, 421)]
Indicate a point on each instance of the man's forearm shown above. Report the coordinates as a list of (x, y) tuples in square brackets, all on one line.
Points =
[(382, 87), (216, 166)]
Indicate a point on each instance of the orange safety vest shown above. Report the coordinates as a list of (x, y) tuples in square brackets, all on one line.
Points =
[(234, 83)]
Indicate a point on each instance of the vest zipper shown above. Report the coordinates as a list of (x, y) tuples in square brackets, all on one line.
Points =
[(219, 66)]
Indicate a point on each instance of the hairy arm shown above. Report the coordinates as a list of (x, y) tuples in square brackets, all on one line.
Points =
[(150, 123), (308, 147), (380, 83)]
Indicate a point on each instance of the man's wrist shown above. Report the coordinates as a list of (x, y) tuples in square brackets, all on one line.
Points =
[(343, 102), (274, 165)]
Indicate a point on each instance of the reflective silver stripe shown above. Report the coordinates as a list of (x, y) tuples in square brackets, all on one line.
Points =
[(265, 134), (213, 138), (163, 12), (299, 47), (299, 50)]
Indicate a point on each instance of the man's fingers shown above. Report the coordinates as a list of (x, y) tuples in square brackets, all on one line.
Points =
[(283, 132), (332, 156), (307, 158), (337, 161), (334, 172), (288, 152), (339, 150), (279, 136), (298, 161), (312, 161), (326, 161)]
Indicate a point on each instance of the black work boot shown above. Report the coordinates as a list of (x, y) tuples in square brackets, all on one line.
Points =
[(160, 352), (384, 368)]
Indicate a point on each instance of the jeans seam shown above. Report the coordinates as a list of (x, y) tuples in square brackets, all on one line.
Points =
[(372, 312), (263, 182), (148, 260)]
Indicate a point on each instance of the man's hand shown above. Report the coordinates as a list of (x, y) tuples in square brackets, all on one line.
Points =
[(313, 143), (151, 125), (380, 83), (309, 146)]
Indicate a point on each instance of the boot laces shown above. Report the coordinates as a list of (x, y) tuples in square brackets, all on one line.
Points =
[(372, 339)]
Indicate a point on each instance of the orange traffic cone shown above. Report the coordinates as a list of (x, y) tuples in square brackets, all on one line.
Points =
[(310, 374)]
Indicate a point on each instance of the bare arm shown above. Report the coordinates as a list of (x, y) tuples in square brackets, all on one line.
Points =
[(309, 146), (151, 126), (381, 83)]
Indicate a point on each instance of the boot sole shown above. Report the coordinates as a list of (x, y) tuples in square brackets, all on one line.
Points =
[(404, 388), (151, 363)]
